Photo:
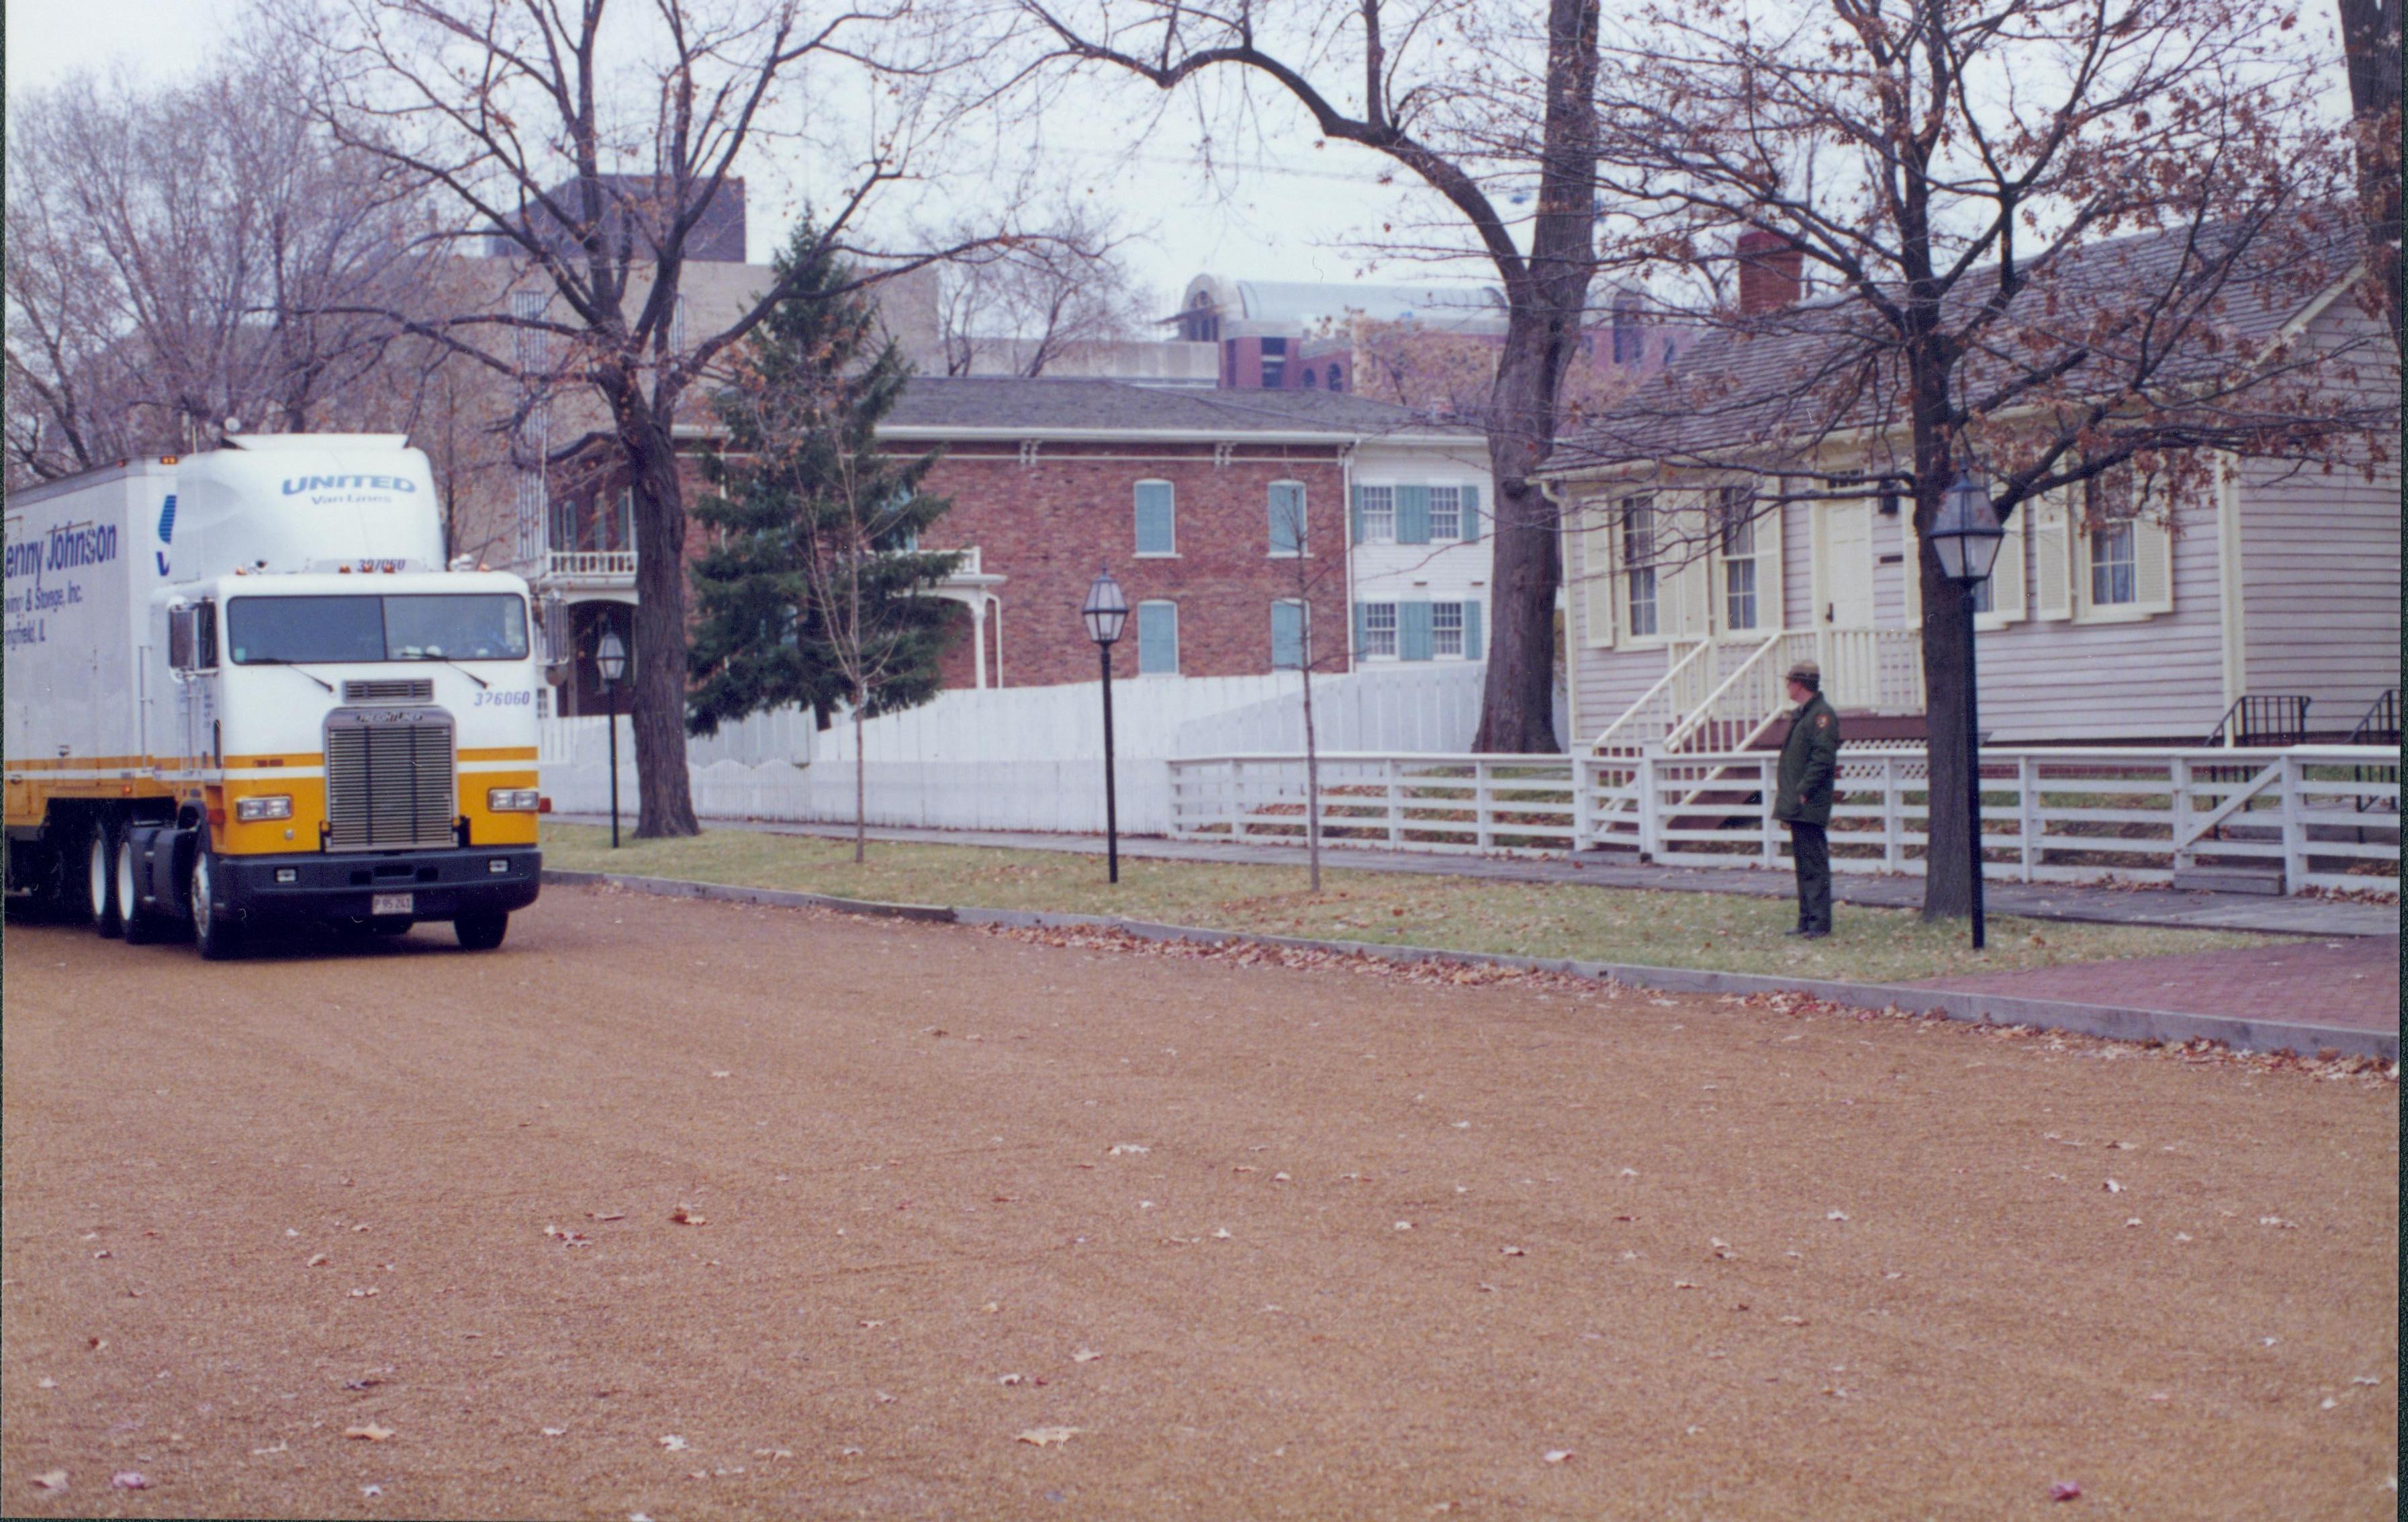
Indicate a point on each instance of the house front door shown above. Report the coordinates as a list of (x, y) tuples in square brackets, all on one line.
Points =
[(1843, 565)]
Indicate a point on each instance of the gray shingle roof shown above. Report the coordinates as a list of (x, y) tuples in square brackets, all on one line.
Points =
[(1789, 376), (933, 404)]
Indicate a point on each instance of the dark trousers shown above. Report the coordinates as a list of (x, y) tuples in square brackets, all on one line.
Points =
[(1809, 847)]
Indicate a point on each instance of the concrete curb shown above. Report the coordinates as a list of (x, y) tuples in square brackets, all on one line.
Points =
[(2114, 1022)]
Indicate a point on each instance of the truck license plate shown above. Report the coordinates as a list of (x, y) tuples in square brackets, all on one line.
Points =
[(393, 903)]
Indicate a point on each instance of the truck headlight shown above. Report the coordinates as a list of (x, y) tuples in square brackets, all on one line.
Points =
[(520, 801), (274, 806)]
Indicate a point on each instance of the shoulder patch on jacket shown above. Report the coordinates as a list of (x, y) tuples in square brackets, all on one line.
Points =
[(1822, 721)]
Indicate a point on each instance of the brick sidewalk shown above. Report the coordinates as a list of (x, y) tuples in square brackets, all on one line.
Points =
[(2353, 983)]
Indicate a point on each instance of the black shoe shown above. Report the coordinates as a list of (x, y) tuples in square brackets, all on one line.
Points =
[(1816, 935), (1798, 930)]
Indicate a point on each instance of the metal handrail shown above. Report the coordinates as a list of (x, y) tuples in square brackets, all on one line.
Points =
[(2381, 721), (2249, 721)]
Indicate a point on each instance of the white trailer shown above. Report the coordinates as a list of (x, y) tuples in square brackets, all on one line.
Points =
[(243, 690)]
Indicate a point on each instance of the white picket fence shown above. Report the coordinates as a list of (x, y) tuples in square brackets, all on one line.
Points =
[(2048, 815)]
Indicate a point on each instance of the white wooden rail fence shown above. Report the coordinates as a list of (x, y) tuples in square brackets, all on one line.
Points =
[(2048, 815)]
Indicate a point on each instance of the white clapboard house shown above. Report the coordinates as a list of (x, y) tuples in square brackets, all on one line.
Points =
[(2265, 609)]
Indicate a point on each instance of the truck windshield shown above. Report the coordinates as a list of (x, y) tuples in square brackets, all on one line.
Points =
[(436, 627)]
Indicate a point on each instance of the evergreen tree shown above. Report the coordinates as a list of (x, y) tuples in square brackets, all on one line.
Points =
[(812, 590)]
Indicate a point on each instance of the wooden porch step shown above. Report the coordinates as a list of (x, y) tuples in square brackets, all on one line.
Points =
[(2265, 880)]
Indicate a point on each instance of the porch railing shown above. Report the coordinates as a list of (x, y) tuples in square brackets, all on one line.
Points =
[(591, 564), (2326, 815)]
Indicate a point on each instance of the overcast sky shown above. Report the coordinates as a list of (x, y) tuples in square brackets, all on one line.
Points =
[(1289, 217)]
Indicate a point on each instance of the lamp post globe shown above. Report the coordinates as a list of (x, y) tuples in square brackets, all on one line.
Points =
[(1106, 609), (610, 663), (610, 657), (1967, 533)]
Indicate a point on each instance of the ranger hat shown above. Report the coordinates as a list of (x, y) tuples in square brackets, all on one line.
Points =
[(1806, 674)]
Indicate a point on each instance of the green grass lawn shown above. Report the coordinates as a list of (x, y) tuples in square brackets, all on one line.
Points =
[(1730, 932)]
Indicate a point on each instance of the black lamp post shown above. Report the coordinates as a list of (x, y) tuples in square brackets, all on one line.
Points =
[(1106, 612), (1966, 536), (611, 661)]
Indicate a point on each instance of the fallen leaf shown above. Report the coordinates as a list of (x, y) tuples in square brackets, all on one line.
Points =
[(1513, 1251), (2367, 1379), (1404, 1226), (1088, 1355), (612, 1215), (1043, 1436), (371, 1491), (127, 1479), (55, 1479), (1835, 1215), (1009, 1379), (688, 1215), (1557, 1455), (319, 1260), (555, 1432), (371, 1432), (2326, 1403), (673, 1443), (2065, 1491), (261, 1453), (47, 1382), (2114, 1187), (722, 1075), (1127, 1147), (990, 1308)]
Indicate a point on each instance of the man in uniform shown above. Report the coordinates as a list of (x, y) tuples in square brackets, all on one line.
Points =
[(1809, 757)]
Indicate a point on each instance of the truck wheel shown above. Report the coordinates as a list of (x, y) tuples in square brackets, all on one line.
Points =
[(215, 938), (481, 931), (142, 926), (100, 879)]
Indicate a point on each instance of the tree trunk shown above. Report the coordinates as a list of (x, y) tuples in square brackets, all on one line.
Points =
[(860, 787), (664, 797), (2370, 38), (1548, 309)]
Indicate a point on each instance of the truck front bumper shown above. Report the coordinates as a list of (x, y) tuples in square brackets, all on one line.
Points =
[(441, 885)]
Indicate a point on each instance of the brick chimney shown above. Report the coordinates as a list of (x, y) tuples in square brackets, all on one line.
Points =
[(1771, 271)]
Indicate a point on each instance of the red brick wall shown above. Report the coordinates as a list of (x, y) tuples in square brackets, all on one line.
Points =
[(1049, 526)]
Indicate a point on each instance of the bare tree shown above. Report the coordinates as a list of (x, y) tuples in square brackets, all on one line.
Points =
[(594, 146), (1310, 572), (1017, 310), (2058, 244), (2369, 35), (174, 257), (1474, 109)]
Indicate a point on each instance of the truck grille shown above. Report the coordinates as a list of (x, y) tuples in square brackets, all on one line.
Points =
[(389, 779), (390, 690)]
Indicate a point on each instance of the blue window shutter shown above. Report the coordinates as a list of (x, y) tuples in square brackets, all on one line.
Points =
[(1414, 629), (1287, 635), (1156, 533), (1362, 624), (1412, 515), (1471, 631), (1157, 638), (1355, 511), (1470, 517), (1287, 517)]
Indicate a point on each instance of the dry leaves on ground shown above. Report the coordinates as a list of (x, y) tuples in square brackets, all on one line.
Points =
[(1046, 1436), (370, 1432)]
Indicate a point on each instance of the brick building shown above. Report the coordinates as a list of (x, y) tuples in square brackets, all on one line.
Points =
[(1184, 494)]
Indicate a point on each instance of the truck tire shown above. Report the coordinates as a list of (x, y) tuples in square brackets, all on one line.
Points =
[(142, 926), (481, 931), (217, 939), (100, 880)]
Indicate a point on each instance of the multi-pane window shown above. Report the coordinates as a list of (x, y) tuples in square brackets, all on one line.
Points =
[(1379, 514), (1639, 563), (2113, 566), (1445, 513), (1379, 628), (1739, 610), (529, 344), (1157, 638), (1446, 628), (1287, 518), (1157, 531)]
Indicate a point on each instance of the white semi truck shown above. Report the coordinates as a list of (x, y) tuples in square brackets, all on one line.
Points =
[(244, 690)]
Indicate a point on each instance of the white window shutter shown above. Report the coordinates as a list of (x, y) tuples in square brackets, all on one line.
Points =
[(1691, 582), (2007, 579), (2153, 564), (1596, 576), (2052, 588), (1771, 611), (2077, 538), (1910, 541)]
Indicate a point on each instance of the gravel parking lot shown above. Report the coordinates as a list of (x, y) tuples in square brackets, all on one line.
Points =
[(695, 1210)]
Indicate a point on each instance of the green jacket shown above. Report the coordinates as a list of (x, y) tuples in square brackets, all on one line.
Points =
[(1809, 757)]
